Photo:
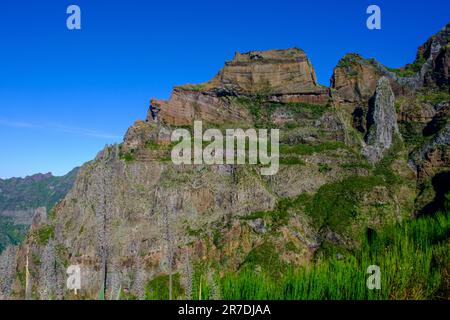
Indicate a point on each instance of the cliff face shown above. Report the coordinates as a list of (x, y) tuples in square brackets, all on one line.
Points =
[(437, 55), (383, 122), (276, 72), (134, 217), (279, 75), (355, 78)]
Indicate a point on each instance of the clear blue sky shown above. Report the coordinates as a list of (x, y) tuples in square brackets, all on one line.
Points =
[(65, 94)]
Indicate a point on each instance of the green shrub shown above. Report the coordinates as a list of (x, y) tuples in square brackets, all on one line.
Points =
[(45, 233), (11, 233), (335, 204), (411, 69), (434, 97), (384, 167), (324, 168), (267, 257), (158, 288), (127, 157), (291, 160)]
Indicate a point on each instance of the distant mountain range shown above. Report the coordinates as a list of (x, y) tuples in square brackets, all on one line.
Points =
[(20, 197)]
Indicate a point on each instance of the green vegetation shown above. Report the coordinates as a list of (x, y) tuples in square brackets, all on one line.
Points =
[(349, 60), (291, 160), (158, 288), (280, 215), (411, 69), (275, 217), (152, 145), (348, 63), (413, 258), (412, 133), (52, 214), (335, 204), (44, 234), (434, 96), (34, 191), (193, 87), (357, 165), (128, 157), (262, 110), (266, 257), (11, 233), (307, 149), (384, 167), (324, 168)]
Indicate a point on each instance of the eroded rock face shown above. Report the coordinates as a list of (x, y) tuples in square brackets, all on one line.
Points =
[(185, 106), (354, 83), (277, 75), (118, 211), (437, 54), (383, 126), (433, 156), (39, 218), (274, 72), (354, 79), (141, 132)]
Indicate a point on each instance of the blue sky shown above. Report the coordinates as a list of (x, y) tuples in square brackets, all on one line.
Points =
[(65, 94)]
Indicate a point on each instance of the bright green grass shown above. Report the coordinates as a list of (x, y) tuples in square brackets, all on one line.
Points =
[(413, 258), (306, 149)]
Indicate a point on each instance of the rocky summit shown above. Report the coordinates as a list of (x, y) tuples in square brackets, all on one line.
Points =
[(359, 160), (280, 75)]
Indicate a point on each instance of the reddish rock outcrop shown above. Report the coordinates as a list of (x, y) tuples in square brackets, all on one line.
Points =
[(276, 72), (186, 105), (277, 75)]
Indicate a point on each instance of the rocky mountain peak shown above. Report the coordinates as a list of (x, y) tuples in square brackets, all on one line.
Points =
[(276, 75), (270, 72)]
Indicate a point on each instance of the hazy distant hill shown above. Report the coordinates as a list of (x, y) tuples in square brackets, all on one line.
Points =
[(20, 197)]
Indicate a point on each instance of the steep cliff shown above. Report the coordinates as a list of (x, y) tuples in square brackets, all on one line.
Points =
[(383, 127)]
